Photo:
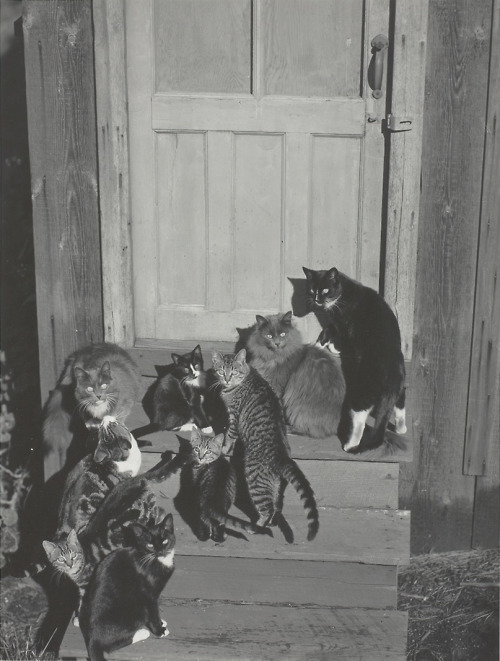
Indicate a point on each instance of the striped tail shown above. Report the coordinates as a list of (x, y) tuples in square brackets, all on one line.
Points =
[(34, 569), (292, 474)]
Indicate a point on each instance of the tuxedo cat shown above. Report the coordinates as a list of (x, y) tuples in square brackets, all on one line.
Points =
[(97, 381), (120, 606), (308, 380), (365, 331), (179, 395), (257, 424)]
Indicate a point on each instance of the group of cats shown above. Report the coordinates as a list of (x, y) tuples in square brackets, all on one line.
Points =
[(113, 540)]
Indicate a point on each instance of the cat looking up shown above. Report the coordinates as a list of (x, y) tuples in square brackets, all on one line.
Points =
[(97, 381), (307, 379), (365, 331)]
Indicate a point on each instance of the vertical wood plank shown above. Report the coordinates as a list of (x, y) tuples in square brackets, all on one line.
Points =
[(140, 69), (408, 80), (440, 496), (62, 141), (482, 433), (112, 138), (373, 155)]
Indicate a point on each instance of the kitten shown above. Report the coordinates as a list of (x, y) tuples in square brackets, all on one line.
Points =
[(214, 485), (307, 379), (366, 332), (256, 422), (179, 394), (120, 606), (98, 380)]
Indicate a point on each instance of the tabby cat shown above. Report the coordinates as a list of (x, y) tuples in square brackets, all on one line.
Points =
[(365, 331), (179, 394), (98, 380), (214, 487), (308, 380), (120, 606), (256, 422)]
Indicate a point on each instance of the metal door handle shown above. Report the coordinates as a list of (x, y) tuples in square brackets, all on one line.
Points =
[(379, 44)]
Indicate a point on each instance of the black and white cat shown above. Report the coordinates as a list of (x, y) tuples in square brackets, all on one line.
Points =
[(365, 331), (178, 399), (120, 605)]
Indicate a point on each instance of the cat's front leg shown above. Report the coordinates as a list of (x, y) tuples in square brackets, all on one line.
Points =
[(156, 625), (231, 434)]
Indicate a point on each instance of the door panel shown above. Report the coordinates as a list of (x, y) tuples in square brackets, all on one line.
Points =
[(249, 157)]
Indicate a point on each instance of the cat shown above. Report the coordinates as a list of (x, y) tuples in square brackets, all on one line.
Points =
[(120, 606), (213, 481), (308, 380), (179, 395), (131, 500), (98, 380), (365, 331), (257, 423)]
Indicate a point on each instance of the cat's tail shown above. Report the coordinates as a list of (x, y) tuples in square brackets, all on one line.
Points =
[(164, 470), (292, 473)]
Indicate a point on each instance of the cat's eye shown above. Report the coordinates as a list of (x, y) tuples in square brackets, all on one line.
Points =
[(150, 546), (325, 291), (282, 334), (90, 389), (269, 335), (104, 386)]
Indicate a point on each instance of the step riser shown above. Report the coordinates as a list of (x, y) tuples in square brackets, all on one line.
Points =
[(335, 484)]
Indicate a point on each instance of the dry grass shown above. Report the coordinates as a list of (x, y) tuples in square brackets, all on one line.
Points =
[(452, 603)]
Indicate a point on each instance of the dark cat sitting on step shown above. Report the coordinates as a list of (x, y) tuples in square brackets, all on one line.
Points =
[(365, 331), (308, 380), (120, 606), (98, 380)]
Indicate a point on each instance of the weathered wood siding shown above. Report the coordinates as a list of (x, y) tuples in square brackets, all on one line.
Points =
[(434, 486), (62, 140)]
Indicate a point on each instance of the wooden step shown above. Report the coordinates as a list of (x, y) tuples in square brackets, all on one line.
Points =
[(212, 631)]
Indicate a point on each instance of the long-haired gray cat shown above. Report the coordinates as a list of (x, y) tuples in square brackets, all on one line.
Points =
[(97, 381), (306, 378)]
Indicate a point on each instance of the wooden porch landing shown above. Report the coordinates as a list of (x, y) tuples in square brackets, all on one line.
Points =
[(262, 598)]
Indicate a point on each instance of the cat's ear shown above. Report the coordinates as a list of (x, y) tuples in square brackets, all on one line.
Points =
[(217, 359), (168, 523), (218, 441), (196, 436), (176, 358), (101, 453), (50, 548), (261, 321), (197, 355), (287, 317), (106, 370), (241, 356), (332, 273), (308, 273), (80, 374)]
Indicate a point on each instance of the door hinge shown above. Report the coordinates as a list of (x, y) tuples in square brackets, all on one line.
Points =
[(395, 123)]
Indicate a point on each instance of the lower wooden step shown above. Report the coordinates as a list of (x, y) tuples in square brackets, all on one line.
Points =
[(214, 631)]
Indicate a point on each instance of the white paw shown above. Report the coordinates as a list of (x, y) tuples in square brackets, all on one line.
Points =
[(141, 634), (331, 348), (165, 631), (187, 426), (401, 428), (108, 420), (207, 430), (76, 621)]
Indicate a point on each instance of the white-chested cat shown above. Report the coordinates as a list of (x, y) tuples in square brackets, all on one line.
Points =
[(97, 381)]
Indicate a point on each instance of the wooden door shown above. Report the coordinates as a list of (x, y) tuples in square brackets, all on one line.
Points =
[(255, 148)]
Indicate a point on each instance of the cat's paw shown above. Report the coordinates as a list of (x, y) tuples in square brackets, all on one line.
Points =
[(165, 630), (93, 423), (140, 634), (207, 430), (187, 426), (76, 621), (108, 420)]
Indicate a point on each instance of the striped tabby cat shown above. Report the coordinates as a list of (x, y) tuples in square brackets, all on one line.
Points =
[(256, 422), (214, 484)]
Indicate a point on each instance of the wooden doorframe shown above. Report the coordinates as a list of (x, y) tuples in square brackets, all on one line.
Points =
[(407, 58)]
